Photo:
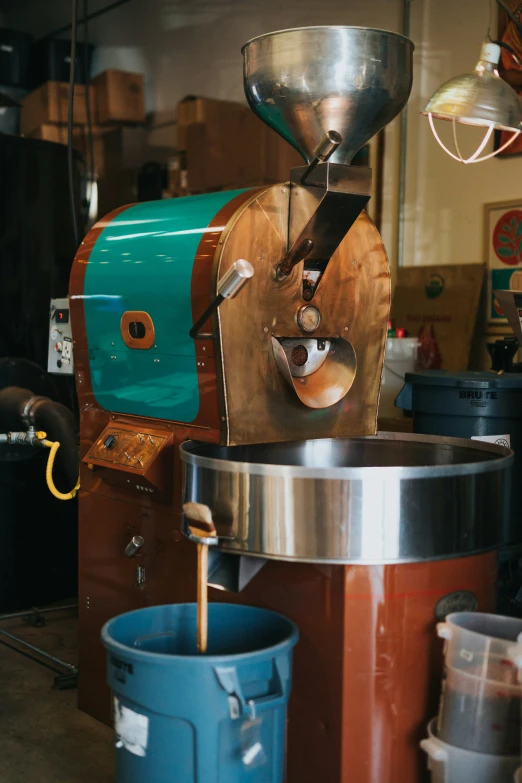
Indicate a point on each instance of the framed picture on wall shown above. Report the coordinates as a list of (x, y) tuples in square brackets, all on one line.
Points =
[(372, 155), (509, 69), (503, 256)]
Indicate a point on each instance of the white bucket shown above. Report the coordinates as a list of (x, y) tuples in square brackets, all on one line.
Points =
[(449, 764), (399, 358)]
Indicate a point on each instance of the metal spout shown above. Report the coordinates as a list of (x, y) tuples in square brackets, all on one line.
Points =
[(232, 572)]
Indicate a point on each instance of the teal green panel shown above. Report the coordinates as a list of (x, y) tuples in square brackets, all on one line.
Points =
[(136, 384), (143, 260)]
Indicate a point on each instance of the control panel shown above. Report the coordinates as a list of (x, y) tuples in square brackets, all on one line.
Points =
[(60, 353), (134, 460), (126, 448)]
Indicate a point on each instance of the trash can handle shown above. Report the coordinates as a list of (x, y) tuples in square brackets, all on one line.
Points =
[(229, 681), (444, 631), (404, 398)]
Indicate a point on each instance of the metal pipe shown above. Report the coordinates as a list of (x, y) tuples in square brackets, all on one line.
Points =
[(29, 612), (69, 666), (406, 16), (88, 18), (31, 657)]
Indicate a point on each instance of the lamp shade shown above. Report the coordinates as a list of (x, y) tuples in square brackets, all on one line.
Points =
[(479, 98)]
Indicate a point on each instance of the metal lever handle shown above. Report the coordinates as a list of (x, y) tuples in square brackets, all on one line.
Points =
[(134, 546), (227, 288), (324, 150), (293, 257)]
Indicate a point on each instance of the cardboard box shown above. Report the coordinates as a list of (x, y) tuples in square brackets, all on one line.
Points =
[(225, 155), (163, 136), (116, 190), (129, 148), (281, 157), (50, 104), (120, 98), (59, 135), (163, 117), (439, 305), (240, 152), (206, 111)]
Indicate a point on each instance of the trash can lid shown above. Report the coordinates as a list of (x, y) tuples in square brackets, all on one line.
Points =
[(466, 379)]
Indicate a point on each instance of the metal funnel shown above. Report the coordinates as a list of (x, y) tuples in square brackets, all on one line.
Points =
[(310, 80)]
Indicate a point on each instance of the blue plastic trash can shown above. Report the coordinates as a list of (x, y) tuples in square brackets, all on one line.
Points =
[(180, 717)]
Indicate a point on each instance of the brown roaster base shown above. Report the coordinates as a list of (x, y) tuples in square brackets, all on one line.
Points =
[(367, 669)]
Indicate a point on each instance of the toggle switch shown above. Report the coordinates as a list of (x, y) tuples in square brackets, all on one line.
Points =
[(110, 442)]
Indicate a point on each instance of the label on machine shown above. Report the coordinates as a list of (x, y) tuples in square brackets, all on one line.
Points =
[(498, 440)]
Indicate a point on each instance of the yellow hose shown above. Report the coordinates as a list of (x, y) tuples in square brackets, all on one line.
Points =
[(49, 473)]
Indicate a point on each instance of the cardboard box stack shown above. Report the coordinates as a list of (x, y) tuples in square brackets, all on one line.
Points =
[(223, 145), (119, 137), (204, 144)]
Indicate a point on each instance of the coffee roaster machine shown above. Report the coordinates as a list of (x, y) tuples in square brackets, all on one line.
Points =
[(228, 350)]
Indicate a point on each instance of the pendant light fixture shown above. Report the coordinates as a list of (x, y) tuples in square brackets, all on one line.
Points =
[(480, 98)]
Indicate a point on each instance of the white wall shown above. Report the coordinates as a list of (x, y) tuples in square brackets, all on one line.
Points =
[(444, 210)]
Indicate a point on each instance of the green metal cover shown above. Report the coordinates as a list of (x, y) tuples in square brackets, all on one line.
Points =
[(143, 260)]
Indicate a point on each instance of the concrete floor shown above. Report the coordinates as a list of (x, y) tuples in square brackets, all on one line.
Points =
[(44, 738)]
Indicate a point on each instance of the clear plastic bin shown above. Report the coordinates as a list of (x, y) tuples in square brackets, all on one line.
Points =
[(515, 653), (399, 359), (449, 764), (480, 715), (480, 645), (481, 702)]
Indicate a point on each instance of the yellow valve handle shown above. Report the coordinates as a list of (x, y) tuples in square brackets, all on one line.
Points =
[(49, 473)]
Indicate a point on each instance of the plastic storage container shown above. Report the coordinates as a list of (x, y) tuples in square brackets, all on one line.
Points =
[(470, 405), (481, 700), (449, 764), (399, 360), (189, 718), (515, 654)]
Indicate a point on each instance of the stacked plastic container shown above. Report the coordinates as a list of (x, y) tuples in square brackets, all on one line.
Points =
[(399, 359), (477, 735), (516, 657)]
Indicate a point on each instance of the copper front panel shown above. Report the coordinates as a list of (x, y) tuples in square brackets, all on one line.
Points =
[(353, 297)]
